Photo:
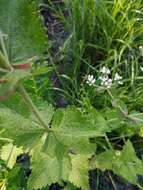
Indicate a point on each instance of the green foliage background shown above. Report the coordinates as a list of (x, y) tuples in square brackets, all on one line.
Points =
[(96, 129)]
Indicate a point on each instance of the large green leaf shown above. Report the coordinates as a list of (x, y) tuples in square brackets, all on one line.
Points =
[(21, 125), (70, 135), (71, 120), (48, 168), (74, 129), (23, 131), (20, 20), (58, 165), (124, 163)]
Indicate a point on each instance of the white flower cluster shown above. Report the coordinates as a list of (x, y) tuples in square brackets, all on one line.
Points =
[(104, 78), (106, 81)]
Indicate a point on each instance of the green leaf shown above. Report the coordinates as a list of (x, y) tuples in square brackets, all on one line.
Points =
[(46, 110), (21, 108), (71, 120), (124, 163), (20, 20), (74, 129), (48, 168), (114, 119), (24, 132), (9, 154), (79, 172), (96, 119), (54, 148)]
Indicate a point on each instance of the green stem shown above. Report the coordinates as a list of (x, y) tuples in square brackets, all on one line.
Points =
[(33, 108), (114, 103), (108, 142)]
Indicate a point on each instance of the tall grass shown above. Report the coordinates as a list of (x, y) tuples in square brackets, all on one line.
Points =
[(108, 27), (100, 32)]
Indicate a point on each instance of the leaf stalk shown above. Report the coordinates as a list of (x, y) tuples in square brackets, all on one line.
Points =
[(33, 108)]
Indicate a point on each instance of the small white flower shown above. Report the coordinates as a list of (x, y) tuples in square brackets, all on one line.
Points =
[(108, 83), (90, 80), (109, 80), (103, 78), (105, 70), (141, 68), (117, 77)]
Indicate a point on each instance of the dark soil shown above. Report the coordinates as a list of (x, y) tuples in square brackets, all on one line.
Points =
[(108, 181), (56, 35)]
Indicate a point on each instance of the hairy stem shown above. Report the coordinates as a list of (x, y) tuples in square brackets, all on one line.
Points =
[(33, 108)]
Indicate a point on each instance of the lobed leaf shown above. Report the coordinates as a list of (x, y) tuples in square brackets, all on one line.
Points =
[(24, 132), (124, 163), (48, 169), (74, 129)]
